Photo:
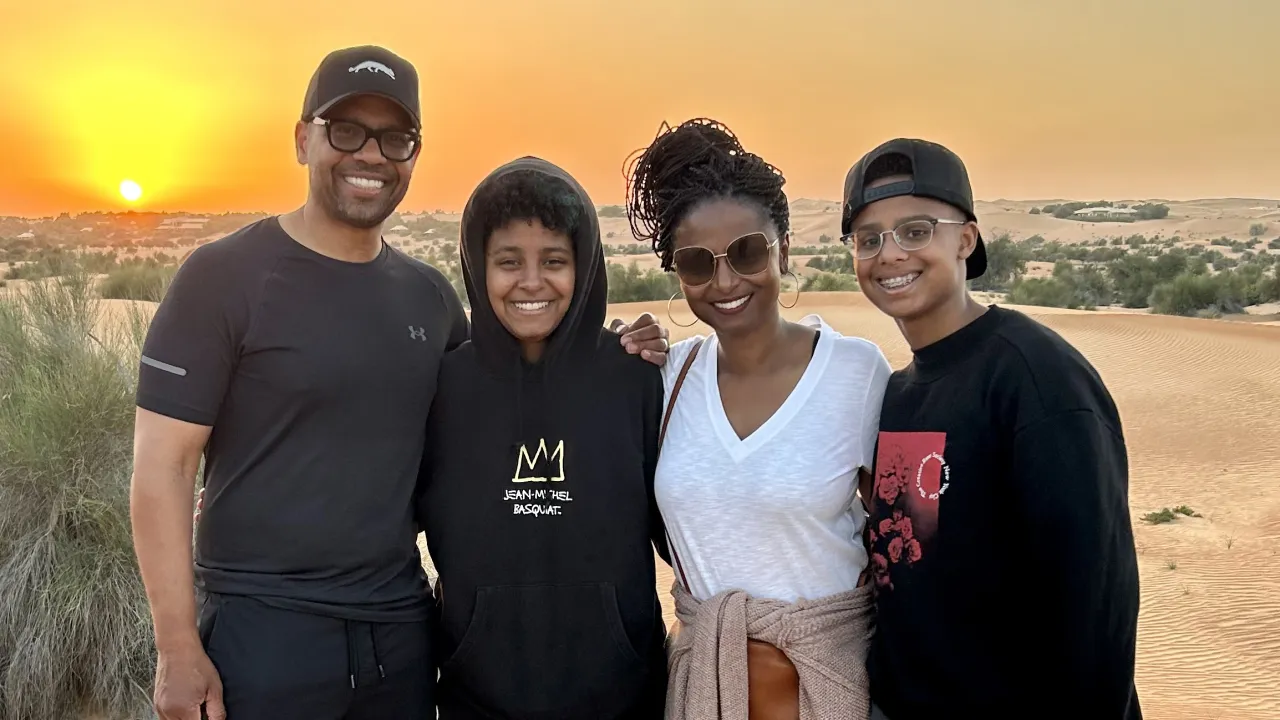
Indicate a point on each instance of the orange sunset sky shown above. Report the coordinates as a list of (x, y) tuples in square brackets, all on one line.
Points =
[(196, 101)]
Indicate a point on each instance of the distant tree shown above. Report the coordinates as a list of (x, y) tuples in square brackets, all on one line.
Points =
[(1133, 277), (824, 239), (612, 211), (1035, 211), (1006, 263), (1257, 229), (1152, 211)]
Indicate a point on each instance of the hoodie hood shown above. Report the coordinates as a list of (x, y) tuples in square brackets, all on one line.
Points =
[(579, 330)]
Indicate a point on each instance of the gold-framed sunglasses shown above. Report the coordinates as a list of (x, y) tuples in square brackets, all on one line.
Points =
[(748, 255), (911, 236)]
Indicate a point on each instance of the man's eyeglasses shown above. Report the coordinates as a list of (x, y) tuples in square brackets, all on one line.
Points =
[(347, 136), (747, 256), (910, 236)]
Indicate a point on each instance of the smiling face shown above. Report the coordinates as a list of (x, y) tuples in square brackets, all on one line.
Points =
[(363, 188), (529, 276), (908, 286), (732, 302)]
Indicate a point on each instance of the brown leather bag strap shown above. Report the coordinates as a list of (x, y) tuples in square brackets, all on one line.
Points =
[(662, 434), (675, 391)]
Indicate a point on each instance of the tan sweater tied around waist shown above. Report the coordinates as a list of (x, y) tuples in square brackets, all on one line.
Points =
[(826, 639)]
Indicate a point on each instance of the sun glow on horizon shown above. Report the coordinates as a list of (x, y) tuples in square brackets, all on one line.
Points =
[(130, 190)]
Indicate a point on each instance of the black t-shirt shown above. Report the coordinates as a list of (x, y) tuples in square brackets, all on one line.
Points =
[(316, 375), (1001, 543)]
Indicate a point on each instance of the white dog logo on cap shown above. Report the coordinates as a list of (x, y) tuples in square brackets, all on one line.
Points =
[(373, 66)]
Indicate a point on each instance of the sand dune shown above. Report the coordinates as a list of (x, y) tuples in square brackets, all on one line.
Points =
[(1200, 402)]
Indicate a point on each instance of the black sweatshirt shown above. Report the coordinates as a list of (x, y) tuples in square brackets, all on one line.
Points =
[(1001, 542), (537, 503)]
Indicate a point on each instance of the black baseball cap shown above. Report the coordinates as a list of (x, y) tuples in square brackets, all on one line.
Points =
[(936, 173), (362, 70)]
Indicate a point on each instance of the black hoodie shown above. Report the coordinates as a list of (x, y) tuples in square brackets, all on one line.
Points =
[(537, 502)]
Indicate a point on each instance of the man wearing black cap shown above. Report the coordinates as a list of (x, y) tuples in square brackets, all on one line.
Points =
[(1000, 537), (298, 357)]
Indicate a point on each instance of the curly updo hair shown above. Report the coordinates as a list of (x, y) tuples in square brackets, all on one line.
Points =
[(528, 195), (697, 161)]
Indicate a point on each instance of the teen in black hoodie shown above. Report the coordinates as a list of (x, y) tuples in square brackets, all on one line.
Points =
[(537, 487)]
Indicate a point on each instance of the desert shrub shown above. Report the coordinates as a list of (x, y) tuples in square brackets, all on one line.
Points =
[(137, 281), (75, 630), (1152, 211), (1006, 263), (830, 282), (1045, 292), (1035, 211), (833, 262), (1257, 230), (628, 284)]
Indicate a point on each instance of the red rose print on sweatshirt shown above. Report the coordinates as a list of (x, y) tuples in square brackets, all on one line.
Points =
[(911, 477)]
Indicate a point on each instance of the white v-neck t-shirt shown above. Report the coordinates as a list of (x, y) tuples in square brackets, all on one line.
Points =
[(776, 514)]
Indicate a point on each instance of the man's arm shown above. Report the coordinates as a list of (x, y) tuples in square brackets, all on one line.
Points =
[(166, 457), (187, 363), (1071, 481)]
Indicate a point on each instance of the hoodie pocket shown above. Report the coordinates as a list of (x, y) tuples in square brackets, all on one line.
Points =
[(547, 651)]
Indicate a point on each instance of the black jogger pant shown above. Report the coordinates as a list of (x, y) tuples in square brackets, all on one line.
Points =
[(284, 665)]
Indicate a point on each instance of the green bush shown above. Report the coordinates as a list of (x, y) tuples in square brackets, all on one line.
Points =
[(1045, 292), (138, 281), (75, 629), (1257, 229), (1006, 263), (834, 263), (628, 284), (830, 282)]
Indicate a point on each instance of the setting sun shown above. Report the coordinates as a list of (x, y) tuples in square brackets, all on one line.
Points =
[(130, 190)]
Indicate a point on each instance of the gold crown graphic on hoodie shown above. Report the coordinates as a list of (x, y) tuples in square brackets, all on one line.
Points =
[(529, 464)]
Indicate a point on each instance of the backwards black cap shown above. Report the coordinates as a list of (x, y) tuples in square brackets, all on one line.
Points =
[(363, 70), (936, 173)]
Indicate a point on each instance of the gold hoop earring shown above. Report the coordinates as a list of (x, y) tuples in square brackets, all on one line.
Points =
[(672, 318), (797, 300)]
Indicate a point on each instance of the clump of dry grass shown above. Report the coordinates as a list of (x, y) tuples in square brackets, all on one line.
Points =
[(75, 631)]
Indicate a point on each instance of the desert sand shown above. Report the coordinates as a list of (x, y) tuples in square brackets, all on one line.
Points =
[(1200, 402)]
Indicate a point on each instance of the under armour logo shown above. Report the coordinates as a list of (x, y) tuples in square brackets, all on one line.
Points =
[(417, 333), (373, 66)]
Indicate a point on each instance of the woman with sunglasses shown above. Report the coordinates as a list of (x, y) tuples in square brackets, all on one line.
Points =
[(769, 428)]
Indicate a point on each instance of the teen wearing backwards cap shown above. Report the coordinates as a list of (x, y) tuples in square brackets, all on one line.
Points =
[(537, 484), (1006, 577)]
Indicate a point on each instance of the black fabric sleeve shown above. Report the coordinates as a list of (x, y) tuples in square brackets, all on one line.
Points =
[(192, 344), (654, 405), (1071, 471)]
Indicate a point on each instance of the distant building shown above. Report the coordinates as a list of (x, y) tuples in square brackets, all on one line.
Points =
[(184, 223), (1102, 213)]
